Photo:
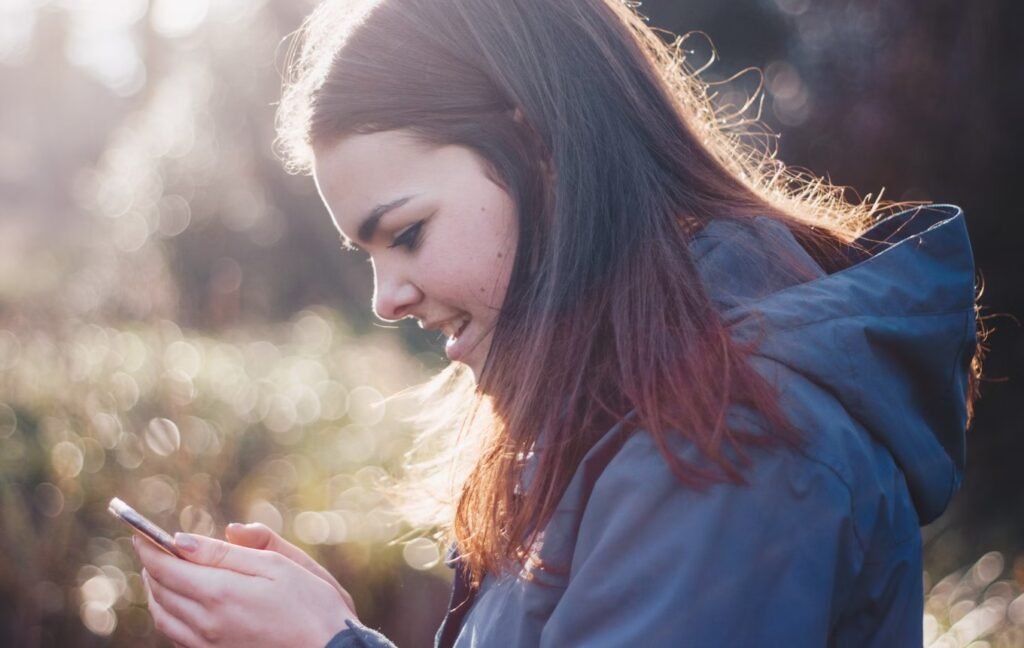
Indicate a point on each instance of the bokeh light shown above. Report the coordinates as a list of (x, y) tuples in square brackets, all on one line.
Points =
[(67, 459), (311, 527), (8, 421), (98, 619), (177, 18), (366, 405), (195, 519), (162, 436), (266, 513), (49, 499), (421, 553)]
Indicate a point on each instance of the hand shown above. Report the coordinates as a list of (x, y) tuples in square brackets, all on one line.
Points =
[(231, 595), (260, 536)]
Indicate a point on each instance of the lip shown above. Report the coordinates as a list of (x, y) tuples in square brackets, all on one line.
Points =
[(458, 346), (437, 325)]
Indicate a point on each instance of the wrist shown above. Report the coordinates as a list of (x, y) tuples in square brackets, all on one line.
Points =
[(325, 635), (332, 621), (357, 635)]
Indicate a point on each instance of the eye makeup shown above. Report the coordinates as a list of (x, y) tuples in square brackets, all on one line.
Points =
[(409, 237)]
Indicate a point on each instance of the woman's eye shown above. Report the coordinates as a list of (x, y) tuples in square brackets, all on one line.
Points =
[(409, 237)]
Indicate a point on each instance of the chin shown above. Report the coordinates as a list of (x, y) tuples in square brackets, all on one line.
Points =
[(473, 368), (474, 360)]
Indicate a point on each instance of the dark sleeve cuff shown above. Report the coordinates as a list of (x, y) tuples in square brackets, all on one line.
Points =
[(359, 636)]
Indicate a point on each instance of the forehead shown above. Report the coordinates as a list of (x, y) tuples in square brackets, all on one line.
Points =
[(358, 172)]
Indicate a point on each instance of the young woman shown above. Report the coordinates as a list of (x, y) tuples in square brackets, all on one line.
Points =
[(709, 403)]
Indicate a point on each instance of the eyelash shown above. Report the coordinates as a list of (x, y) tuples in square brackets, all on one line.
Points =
[(409, 238)]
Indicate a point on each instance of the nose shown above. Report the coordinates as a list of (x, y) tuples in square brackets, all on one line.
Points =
[(394, 295)]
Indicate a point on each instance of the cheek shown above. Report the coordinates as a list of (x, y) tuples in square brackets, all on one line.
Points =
[(493, 268), (501, 275), (481, 247), (499, 254), (473, 279)]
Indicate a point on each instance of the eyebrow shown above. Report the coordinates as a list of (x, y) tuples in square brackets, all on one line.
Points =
[(368, 228)]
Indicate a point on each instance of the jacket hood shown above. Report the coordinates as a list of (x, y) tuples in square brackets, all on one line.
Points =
[(891, 336)]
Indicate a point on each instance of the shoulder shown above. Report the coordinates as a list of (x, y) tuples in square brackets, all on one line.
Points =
[(741, 261), (642, 552), (760, 551), (785, 490), (832, 503)]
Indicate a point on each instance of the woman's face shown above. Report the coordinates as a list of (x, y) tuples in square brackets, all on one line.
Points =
[(440, 234)]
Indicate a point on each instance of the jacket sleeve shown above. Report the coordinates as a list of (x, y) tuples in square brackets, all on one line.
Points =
[(359, 636), (659, 564)]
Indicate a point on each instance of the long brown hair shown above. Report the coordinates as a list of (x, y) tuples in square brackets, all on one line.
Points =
[(609, 145)]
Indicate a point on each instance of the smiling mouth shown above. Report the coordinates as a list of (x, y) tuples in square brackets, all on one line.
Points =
[(455, 327), (455, 348)]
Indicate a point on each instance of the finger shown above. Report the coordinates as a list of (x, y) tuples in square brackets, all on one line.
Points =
[(184, 609), (253, 535), (260, 536), (211, 552), (196, 582), (170, 626)]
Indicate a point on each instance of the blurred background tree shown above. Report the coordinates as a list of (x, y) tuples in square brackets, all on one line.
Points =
[(178, 327)]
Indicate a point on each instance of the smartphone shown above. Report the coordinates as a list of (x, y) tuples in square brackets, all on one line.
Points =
[(140, 523)]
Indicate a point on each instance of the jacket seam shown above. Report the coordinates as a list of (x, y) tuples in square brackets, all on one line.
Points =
[(792, 327), (951, 215), (810, 458), (861, 544)]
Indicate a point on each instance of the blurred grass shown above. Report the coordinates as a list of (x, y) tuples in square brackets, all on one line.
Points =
[(283, 424)]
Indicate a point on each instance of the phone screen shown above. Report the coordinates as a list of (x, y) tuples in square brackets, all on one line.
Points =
[(140, 523)]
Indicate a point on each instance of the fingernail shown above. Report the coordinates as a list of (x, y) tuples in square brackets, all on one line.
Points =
[(186, 542), (235, 526)]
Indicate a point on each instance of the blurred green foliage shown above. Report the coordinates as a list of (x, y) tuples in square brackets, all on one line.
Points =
[(284, 425)]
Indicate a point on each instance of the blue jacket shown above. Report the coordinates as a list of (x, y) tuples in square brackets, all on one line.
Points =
[(823, 547)]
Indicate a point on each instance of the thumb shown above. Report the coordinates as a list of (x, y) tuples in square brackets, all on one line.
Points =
[(259, 536), (255, 536)]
